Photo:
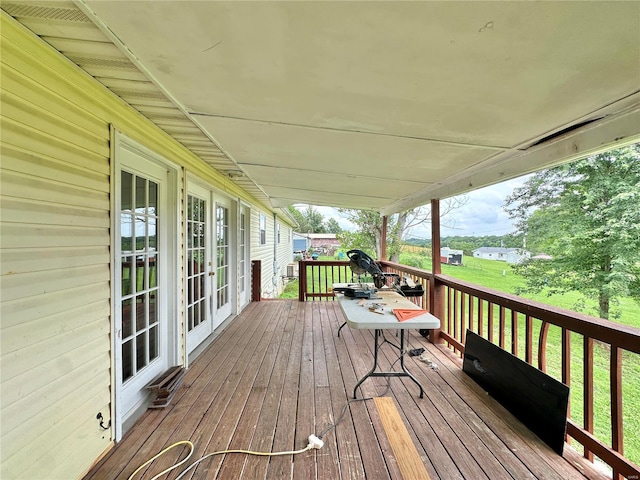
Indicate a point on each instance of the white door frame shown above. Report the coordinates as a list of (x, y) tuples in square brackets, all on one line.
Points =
[(127, 152)]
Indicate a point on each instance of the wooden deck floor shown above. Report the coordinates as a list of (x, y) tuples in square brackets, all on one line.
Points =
[(279, 373)]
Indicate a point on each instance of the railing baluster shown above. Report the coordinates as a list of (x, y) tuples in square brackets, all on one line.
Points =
[(514, 332), (463, 316), (456, 320), (588, 390), (490, 323), (501, 327), (542, 346), (450, 326), (471, 312), (566, 364), (528, 347), (480, 317), (617, 437)]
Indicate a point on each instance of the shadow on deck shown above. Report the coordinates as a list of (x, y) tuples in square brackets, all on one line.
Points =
[(279, 373)]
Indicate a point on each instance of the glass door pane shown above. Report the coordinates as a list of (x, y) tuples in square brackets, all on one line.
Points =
[(222, 260), (242, 263), (139, 284), (196, 261)]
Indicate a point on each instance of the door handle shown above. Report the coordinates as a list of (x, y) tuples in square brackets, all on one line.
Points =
[(212, 273)]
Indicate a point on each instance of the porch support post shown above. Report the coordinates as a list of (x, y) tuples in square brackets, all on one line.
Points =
[(436, 292), (383, 239)]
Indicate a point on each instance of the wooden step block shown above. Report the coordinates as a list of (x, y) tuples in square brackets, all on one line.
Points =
[(165, 386)]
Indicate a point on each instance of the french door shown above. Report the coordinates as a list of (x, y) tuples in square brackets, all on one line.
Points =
[(209, 270), (144, 294)]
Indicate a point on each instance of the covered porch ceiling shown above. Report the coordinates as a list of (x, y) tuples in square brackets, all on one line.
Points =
[(369, 105)]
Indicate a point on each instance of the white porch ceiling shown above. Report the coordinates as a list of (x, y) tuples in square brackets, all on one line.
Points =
[(375, 105)]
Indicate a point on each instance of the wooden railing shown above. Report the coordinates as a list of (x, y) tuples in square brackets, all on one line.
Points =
[(552, 339), (316, 278)]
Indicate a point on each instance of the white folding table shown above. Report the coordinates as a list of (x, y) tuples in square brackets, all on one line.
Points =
[(359, 316)]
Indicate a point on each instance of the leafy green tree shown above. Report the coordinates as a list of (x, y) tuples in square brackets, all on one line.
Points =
[(332, 226), (310, 220), (586, 216), (368, 234)]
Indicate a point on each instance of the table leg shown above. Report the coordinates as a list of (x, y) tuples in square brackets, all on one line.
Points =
[(404, 369), (375, 363), (373, 373)]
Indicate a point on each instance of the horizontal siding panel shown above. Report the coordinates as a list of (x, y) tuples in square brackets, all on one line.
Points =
[(65, 79), (19, 210), (36, 460), (70, 171), (53, 351), (35, 409), (23, 334), (52, 303), (41, 95), (67, 458), (26, 260), (36, 117), (30, 284), (14, 133), (15, 184), (15, 235)]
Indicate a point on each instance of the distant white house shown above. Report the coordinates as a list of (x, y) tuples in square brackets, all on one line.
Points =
[(509, 255)]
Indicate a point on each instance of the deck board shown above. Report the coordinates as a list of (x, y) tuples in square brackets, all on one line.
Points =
[(279, 373)]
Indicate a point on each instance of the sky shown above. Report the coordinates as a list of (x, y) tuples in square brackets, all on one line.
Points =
[(482, 215)]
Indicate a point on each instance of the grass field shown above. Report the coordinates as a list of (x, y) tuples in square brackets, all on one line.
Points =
[(499, 276)]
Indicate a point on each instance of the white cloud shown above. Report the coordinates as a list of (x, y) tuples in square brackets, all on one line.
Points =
[(483, 214)]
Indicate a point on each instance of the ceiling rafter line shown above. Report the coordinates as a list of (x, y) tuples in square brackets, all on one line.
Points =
[(324, 192), (348, 130), (341, 174)]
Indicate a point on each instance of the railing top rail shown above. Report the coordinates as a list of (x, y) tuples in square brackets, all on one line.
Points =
[(418, 272), (606, 331), (624, 336)]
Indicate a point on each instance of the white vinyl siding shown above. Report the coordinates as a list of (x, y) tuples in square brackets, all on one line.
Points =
[(284, 252), (55, 274), (265, 253)]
